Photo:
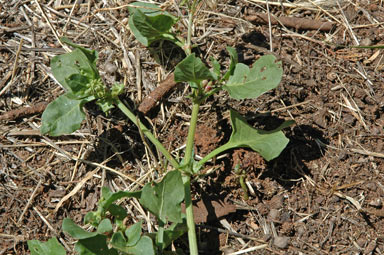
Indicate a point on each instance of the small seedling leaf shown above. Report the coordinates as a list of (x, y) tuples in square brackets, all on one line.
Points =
[(63, 116), (75, 231), (163, 199), (117, 211), (118, 240), (192, 69), (234, 60), (216, 67), (268, 143), (143, 246), (264, 75), (104, 227), (75, 62), (51, 247), (149, 23), (133, 234), (96, 245)]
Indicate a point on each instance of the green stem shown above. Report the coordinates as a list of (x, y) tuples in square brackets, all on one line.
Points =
[(213, 153), (191, 134), (147, 133), (243, 186), (160, 234), (193, 250), (187, 180), (192, 9)]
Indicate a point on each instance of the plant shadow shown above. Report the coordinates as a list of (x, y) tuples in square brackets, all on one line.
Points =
[(166, 53)]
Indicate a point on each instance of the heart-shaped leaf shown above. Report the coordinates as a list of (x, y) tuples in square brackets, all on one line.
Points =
[(149, 23), (133, 233), (96, 245), (264, 75), (63, 116), (104, 227), (268, 143), (163, 199), (51, 247), (75, 231), (192, 69)]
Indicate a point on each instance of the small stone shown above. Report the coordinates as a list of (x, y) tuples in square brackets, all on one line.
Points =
[(378, 203), (110, 68), (273, 215), (366, 42), (228, 250), (281, 242), (301, 230)]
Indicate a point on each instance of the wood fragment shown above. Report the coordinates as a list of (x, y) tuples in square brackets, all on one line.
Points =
[(157, 94), (23, 111), (297, 23)]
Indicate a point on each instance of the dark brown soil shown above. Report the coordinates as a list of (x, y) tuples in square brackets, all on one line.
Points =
[(323, 195)]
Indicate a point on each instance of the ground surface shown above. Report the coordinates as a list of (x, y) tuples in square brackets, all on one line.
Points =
[(323, 195)]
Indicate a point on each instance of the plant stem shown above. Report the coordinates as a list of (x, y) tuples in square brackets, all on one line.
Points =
[(213, 154), (192, 9), (192, 240), (243, 186), (191, 134), (187, 180), (147, 133)]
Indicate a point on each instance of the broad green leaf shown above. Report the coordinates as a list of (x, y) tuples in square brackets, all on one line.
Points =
[(264, 75), (104, 227), (75, 231), (63, 116), (133, 233), (216, 68), (75, 62), (234, 60), (163, 199), (143, 246), (91, 55), (192, 69), (149, 23), (51, 247), (268, 143), (96, 245)]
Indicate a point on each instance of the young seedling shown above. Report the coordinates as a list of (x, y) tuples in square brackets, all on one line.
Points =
[(241, 175), (77, 73)]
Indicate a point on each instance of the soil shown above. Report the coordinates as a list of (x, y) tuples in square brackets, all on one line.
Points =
[(323, 195)]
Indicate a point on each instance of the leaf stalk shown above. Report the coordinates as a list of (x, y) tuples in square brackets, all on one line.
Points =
[(147, 133)]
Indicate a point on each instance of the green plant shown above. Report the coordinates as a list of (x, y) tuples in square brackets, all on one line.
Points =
[(78, 74)]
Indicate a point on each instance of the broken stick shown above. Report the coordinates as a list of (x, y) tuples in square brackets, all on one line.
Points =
[(24, 111), (157, 94)]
